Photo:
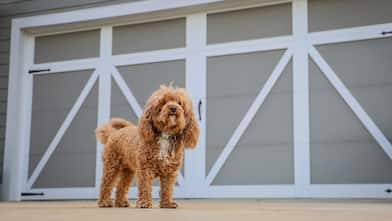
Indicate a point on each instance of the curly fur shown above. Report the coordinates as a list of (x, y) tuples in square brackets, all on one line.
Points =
[(135, 150)]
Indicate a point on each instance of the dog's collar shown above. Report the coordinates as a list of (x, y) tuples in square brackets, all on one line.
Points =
[(168, 137)]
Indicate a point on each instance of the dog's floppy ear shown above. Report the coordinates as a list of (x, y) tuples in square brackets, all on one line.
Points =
[(145, 127), (191, 131)]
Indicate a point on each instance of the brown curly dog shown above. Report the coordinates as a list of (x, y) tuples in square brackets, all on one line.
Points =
[(152, 149)]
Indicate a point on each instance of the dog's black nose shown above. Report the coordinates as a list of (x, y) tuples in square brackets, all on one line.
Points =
[(173, 109)]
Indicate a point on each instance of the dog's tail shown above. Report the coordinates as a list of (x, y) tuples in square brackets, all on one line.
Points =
[(103, 132)]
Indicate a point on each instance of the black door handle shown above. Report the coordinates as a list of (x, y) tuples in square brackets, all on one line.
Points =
[(199, 109)]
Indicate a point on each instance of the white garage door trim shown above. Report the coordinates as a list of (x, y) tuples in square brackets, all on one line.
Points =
[(195, 183)]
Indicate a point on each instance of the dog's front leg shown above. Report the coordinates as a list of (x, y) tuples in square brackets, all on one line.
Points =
[(166, 192), (144, 186)]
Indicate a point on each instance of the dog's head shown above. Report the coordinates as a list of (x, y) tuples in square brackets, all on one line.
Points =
[(169, 110)]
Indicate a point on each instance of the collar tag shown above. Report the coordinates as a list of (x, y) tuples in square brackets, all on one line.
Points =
[(168, 137)]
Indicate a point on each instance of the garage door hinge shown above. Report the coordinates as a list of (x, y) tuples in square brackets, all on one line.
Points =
[(38, 70), (388, 190), (32, 194), (386, 32)]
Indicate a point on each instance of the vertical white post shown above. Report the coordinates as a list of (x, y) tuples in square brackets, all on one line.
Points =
[(27, 102), (104, 93), (18, 115), (301, 96), (196, 33)]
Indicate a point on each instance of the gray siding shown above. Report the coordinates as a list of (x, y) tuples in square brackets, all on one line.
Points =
[(20, 9), (4, 54)]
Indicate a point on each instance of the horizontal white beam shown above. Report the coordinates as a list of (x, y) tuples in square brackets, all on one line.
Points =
[(149, 57), (238, 47), (166, 55), (91, 193), (349, 34), (67, 66), (250, 191), (63, 193), (370, 191), (104, 12), (289, 191), (116, 60), (347, 191)]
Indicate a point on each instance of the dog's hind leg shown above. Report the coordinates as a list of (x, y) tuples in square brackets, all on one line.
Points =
[(111, 169), (126, 177)]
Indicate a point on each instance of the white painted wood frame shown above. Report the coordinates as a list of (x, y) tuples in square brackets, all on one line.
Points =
[(301, 97), (195, 182)]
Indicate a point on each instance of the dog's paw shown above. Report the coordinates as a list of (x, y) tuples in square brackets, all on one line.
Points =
[(124, 203), (143, 204), (105, 203), (170, 205)]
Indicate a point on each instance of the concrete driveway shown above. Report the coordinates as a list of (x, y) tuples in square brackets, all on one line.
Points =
[(204, 210)]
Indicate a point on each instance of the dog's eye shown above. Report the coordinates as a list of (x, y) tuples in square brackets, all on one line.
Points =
[(180, 103)]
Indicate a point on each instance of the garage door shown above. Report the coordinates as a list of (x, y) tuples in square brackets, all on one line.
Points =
[(249, 129), (350, 83), (69, 101), (64, 112), (291, 102)]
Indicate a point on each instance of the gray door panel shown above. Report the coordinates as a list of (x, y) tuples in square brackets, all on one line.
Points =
[(149, 36), (72, 164), (266, 145), (365, 68), (249, 24), (75, 45), (120, 107), (335, 14), (342, 150)]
